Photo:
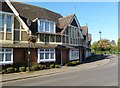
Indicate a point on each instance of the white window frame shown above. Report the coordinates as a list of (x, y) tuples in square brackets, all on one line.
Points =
[(4, 52), (73, 52), (5, 21), (46, 60), (49, 22)]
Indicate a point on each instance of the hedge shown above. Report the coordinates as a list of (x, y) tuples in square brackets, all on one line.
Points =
[(22, 69)]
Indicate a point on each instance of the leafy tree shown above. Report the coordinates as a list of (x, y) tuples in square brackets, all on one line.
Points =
[(94, 47), (101, 45), (104, 44), (113, 43)]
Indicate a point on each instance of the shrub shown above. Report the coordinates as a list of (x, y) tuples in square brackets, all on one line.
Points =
[(68, 64), (35, 68), (56, 66), (10, 70), (44, 66), (22, 69), (27, 68), (15, 69), (73, 63), (52, 66), (41, 67), (4, 71), (77, 62)]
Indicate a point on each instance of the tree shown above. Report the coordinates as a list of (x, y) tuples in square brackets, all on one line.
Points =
[(94, 47), (113, 43), (101, 45), (104, 45)]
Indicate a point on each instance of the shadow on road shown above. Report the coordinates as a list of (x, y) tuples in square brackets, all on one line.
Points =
[(94, 58)]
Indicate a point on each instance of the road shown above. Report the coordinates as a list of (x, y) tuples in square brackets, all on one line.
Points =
[(105, 75)]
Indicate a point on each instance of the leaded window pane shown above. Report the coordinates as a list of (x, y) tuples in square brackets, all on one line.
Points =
[(46, 26), (46, 55), (52, 56), (52, 27), (8, 50), (41, 29), (9, 23), (41, 56), (8, 57), (1, 57)]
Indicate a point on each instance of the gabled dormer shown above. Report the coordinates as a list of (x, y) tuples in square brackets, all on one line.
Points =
[(71, 33), (47, 26)]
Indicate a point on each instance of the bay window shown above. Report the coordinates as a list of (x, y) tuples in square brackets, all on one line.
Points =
[(46, 55), (6, 56), (74, 54), (46, 26)]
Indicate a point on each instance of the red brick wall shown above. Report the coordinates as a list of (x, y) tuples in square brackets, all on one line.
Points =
[(20, 56), (58, 56), (65, 56)]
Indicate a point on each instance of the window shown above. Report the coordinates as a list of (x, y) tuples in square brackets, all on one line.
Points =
[(1, 55), (74, 54), (52, 53), (46, 55), (46, 26), (9, 23), (52, 27), (73, 35), (46, 38), (6, 56), (42, 54), (41, 26), (2, 18)]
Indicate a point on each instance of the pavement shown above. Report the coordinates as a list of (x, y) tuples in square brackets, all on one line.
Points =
[(25, 75)]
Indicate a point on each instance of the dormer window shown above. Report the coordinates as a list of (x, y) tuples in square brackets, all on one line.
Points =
[(46, 26)]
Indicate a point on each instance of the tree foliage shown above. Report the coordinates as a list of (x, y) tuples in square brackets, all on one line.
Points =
[(104, 44)]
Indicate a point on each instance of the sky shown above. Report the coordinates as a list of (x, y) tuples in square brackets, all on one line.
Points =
[(98, 16)]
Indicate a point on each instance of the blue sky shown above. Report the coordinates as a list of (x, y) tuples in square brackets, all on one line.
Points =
[(99, 16)]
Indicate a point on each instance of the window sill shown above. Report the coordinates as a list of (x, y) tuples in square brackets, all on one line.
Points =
[(6, 63), (49, 60)]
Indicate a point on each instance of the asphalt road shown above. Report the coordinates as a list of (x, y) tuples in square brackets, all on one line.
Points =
[(105, 75)]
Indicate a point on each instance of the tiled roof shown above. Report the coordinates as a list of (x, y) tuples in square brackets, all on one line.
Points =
[(63, 22), (84, 30), (33, 12)]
